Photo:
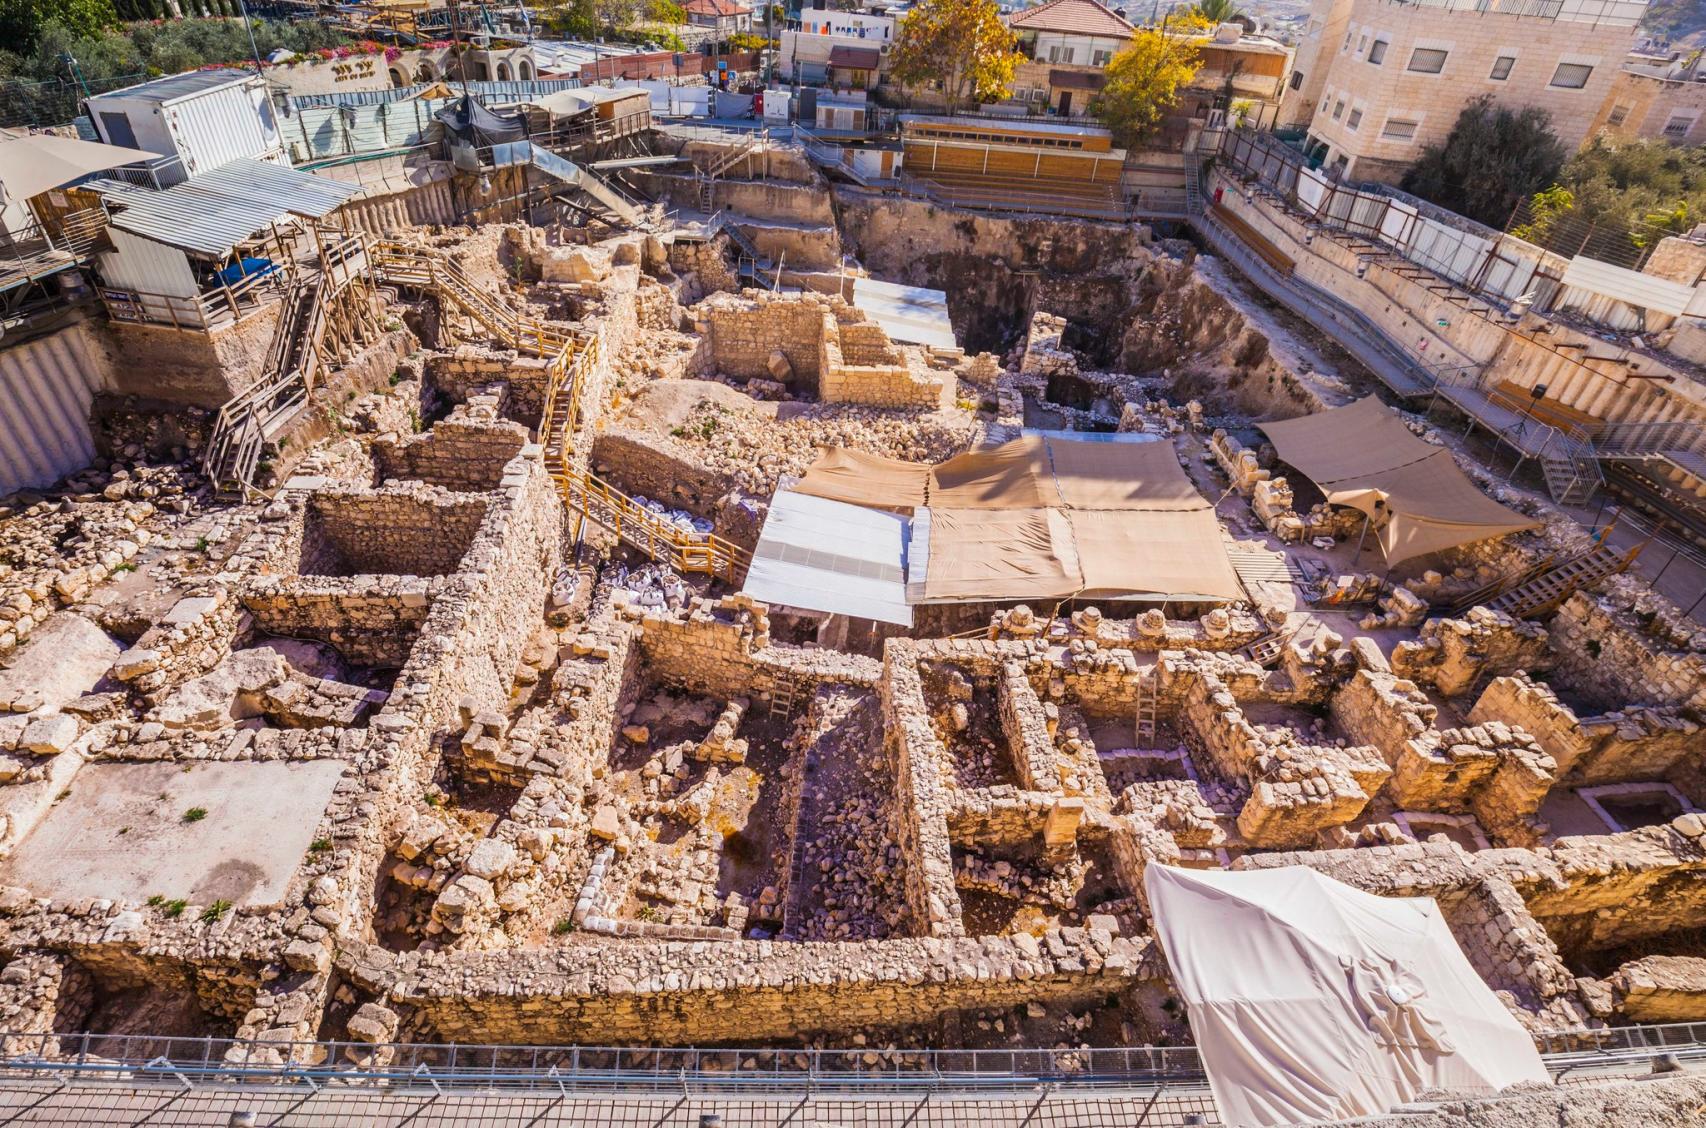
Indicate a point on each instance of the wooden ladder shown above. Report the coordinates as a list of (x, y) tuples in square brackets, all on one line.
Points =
[(1148, 688), (785, 698)]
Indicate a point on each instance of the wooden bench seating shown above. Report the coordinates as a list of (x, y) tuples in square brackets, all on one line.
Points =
[(1253, 239), (1570, 420)]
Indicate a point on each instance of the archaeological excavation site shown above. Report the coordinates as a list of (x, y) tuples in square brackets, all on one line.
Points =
[(762, 624)]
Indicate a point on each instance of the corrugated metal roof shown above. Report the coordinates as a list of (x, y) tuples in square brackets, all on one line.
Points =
[(213, 212), (909, 314), (176, 86)]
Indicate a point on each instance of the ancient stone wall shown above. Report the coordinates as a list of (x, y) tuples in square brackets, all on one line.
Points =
[(1629, 648), (409, 529)]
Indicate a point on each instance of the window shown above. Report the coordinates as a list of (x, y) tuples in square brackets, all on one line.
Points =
[(1377, 52), (1427, 60), (1571, 76), (1297, 80), (1338, 109), (1347, 45), (1362, 44), (1617, 116), (1100, 58), (1398, 129), (1354, 120), (1502, 67), (1678, 126)]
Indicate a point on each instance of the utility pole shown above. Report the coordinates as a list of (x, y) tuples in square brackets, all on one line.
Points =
[(250, 28)]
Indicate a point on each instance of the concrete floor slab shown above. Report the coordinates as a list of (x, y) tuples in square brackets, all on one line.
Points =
[(121, 832)]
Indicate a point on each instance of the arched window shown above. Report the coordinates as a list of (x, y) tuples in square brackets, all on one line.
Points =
[(524, 69), (503, 72), (397, 77), (425, 72)]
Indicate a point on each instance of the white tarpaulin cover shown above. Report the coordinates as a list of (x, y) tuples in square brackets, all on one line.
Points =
[(1311, 1000), (820, 555)]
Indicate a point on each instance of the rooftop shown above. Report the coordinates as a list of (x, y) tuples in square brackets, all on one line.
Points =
[(1074, 17), (173, 87)]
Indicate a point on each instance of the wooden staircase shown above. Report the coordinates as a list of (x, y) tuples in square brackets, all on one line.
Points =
[(1549, 588), (256, 416)]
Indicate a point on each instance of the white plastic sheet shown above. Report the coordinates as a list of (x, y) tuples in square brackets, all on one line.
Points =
[(1311, 1000)]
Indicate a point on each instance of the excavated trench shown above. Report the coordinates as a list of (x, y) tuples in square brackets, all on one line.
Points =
[(1133, 304)]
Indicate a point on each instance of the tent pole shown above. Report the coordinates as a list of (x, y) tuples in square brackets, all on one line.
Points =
[(1362, 536)]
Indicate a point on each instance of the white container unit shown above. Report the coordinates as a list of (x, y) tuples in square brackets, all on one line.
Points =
[(203, 119)]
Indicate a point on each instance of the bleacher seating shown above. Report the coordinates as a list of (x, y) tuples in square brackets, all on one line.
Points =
[(1024, 193), (1571, 421)]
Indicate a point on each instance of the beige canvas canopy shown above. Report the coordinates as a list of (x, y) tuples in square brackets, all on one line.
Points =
[(1362, 456), (857, 478), (1043, 517), (34, 163)]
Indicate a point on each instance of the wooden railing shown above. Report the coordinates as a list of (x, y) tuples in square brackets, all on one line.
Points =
[(214, 306)]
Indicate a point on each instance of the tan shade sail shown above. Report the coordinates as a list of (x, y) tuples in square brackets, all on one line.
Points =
[(1043, 517), (996, 554), (1362, 456), (1178, 555), (857, 478), (1122, 476), (33, 164), (1014, 475)]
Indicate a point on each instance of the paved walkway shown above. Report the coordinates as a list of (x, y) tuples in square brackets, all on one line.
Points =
[(52, 1102)]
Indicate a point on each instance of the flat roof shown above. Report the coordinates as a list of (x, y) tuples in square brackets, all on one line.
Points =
[(176, 86), (1006, 125), (211, 213), (909, 314), (820, 555)]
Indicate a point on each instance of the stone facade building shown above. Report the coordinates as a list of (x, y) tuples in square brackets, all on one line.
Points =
[(1379, 80)]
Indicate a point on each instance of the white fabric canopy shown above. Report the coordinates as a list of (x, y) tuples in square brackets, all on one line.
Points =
[(1311, 1000), (821, 555)]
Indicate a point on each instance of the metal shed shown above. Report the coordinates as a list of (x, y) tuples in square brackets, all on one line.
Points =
[(202, 120)]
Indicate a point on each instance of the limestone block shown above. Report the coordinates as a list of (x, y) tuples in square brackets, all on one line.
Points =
[(50, 735)]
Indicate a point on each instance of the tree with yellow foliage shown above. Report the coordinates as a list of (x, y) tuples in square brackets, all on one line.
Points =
[(1143, 82), (962, 45)]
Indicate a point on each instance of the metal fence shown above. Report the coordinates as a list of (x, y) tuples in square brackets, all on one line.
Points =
[(63, 1079)]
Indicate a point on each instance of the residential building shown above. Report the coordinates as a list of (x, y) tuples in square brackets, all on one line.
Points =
[(1241, 65), (1066, 44), (806, 48), (1394, 79), (854, 68), (725, 17), (1652, 98)]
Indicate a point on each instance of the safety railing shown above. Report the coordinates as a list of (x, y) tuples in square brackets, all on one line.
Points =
[(220, 303), (1651, 438), (632, 1069), (860, 1070)]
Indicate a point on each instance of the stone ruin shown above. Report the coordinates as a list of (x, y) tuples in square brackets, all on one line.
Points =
[(409, 751)]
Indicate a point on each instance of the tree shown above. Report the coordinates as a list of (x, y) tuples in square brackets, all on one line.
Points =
[(614, 15), (22, 22), (1217, 11), (1493, 159), (961, 45), (577, 19), (1143, 82)]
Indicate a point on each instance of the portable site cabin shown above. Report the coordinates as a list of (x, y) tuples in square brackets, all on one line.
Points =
[(982, 147), (210, 250), (199, 121)]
